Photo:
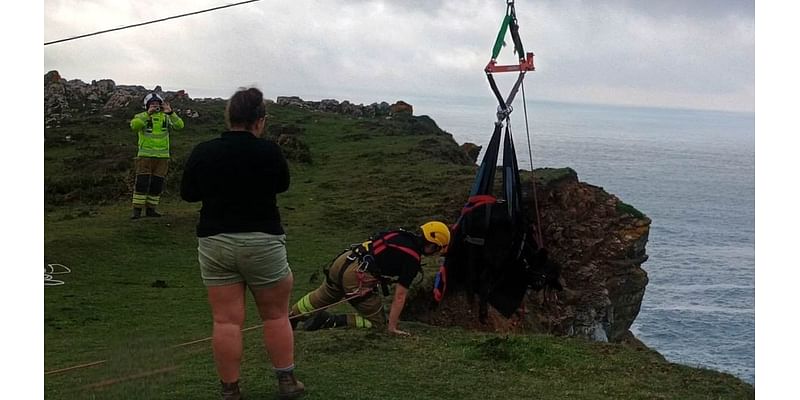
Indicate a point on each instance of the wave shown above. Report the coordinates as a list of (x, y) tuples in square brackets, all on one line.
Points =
[(700, 309)]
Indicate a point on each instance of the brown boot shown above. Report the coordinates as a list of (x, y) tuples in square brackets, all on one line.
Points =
[(230, 391), (288, 386)]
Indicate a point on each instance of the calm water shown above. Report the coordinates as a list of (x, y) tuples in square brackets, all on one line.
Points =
[(693, 173)]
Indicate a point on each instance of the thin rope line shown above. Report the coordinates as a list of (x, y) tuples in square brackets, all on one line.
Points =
[(148, 22), (109, 382), (533, 174), (348, 298), (290, 318)]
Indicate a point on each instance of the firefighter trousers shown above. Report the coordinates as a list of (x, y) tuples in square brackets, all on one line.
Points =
[(343, 279), (149, 183)]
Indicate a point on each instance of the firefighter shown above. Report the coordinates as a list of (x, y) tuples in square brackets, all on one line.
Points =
[(153, 127), (358, 273)]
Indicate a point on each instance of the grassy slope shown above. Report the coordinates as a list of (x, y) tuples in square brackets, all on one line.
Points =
[(365, 177)]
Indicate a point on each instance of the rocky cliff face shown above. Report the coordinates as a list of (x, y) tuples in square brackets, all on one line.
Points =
[(599, 242)]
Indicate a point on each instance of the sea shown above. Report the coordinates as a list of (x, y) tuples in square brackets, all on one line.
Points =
[(691, 171)]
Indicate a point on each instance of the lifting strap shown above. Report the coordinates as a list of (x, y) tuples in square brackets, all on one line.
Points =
[(482, 187), (484, 180)]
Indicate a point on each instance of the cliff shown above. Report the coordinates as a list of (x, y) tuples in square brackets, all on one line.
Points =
[(598, 240)]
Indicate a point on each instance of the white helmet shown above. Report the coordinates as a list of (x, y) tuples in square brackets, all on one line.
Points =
[(152, 97)]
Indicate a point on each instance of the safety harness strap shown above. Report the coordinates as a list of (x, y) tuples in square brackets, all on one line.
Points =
[(380, 244)]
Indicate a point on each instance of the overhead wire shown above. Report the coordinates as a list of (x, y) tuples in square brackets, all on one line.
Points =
[(148, 22)]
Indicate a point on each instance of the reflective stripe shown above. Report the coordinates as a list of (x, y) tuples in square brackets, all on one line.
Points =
[(361, 322), (304, 305), (153, 199), (139, 199), (156, 153)]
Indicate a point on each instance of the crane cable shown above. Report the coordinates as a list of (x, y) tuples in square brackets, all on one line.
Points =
[(533, 172), (148, 22)]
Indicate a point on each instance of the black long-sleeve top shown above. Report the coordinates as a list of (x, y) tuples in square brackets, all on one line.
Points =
[(237, 177), (399, 264)]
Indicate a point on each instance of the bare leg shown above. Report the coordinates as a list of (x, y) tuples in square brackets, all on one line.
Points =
[(273, 306), (227, 308)]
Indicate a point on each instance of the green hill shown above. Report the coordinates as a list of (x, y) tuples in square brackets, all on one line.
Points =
[(133, 301)]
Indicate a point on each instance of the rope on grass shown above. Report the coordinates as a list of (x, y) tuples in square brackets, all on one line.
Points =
[(54, 269), (91, 364), (145, 374), (357, 294)]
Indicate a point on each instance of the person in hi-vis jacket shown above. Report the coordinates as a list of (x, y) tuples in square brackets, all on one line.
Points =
[(153, 128)]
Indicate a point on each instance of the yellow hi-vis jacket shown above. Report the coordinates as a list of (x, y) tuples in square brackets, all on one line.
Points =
[(153, 131)]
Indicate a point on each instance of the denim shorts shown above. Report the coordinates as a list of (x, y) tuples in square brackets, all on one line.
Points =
[(256, 258)]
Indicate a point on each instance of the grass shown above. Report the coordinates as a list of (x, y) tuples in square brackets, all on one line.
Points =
[(134, 292)]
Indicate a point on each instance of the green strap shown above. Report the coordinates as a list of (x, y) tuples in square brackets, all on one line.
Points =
[(498, 44)]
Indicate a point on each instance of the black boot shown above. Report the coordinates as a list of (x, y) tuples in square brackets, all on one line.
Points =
[(230, 391), (325, 320), (137, 213), (151, 212), (288, 386)]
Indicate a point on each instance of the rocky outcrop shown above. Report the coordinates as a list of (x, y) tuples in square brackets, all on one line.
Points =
[(64, 100), (382, 109), (67, 99), (472, 151), (401, 107), (599, 242)]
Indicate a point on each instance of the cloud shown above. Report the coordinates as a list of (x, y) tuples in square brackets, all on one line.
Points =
[(674, 53)]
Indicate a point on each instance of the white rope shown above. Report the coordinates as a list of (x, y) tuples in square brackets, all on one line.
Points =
[(54, 269)]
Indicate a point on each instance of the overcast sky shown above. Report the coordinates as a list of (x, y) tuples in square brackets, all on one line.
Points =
[(676, 53)]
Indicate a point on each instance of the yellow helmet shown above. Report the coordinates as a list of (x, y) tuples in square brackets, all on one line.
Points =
[(436, 232)]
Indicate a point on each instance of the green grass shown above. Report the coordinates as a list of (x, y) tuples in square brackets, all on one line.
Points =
[(366, 175)]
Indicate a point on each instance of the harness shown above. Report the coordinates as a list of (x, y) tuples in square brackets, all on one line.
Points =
[(368, 271), (480, 193)]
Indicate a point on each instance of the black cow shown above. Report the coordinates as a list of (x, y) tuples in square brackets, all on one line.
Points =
[(497, 258)]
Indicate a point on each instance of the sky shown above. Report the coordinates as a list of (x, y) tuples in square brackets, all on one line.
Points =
[(678, 53)]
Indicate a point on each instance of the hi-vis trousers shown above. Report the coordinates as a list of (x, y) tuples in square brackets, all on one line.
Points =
[(342, 280), (150, 174)]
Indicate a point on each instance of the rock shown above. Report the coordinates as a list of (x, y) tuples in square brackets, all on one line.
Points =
[(330, 105), (290, 101), (472, 151), (67, 99), (401, 107), (51, 77)]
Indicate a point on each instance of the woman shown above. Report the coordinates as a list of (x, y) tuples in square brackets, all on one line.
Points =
[(241, 241)]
